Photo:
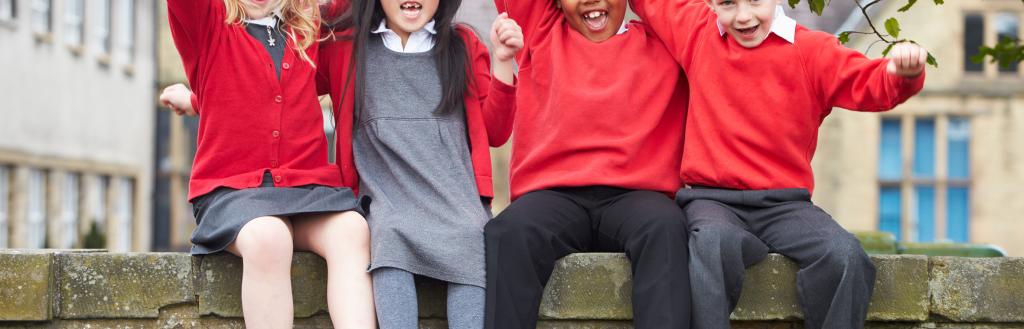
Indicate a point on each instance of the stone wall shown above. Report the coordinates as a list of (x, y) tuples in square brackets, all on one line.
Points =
[(88, 289)]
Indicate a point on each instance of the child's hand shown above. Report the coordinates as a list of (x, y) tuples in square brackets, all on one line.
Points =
[(507, 38), (907, 60), (178, 98)]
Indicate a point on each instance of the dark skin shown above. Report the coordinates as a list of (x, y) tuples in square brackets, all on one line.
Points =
[(574, 11)]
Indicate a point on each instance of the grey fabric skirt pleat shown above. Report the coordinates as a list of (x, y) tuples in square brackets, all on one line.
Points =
[(222, 213)]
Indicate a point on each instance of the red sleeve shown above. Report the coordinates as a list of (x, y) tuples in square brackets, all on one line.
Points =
[(497, 99), (676, 22), (850, 80), (533, 16), (323, 70), (195, 102), (191, 23)]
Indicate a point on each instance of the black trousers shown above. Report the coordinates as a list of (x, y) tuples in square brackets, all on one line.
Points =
[(526, 239), (731, 230)]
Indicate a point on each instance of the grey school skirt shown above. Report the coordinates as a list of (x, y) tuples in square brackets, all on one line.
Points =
[(221, 213)]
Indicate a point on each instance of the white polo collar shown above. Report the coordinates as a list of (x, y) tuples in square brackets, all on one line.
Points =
[(419, 42)]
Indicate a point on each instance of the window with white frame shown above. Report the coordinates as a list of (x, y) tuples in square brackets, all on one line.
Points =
[(8, 10), (98, 203), (69, 211), (125, 213), (125, 36), (926, 198), (74, 16), (5, 206), (36, 210), (101, 27), (42, 16)]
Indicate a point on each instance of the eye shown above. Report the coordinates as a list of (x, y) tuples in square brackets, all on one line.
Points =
[(726, 3)]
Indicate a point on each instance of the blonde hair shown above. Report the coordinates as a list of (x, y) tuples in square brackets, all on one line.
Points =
[(300, 18)]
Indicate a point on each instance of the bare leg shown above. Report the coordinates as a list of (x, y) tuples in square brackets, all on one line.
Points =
[(265, 245), (343, 239)]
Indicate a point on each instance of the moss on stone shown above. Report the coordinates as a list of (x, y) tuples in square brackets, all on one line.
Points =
[(102, 285), (26, 285)]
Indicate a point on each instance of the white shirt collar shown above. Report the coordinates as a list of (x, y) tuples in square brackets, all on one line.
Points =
[(270, 20), (782, 26), (419, 42)]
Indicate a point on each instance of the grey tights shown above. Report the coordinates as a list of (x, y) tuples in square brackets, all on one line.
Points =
[(394, 295)]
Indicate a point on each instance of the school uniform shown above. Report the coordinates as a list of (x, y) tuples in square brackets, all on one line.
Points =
[(261, 146), (421, 169), (596, 137), (751, 132)]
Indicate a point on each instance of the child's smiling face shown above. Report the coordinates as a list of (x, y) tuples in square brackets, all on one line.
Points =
[(408, 16), (597, 20), (747, 21)]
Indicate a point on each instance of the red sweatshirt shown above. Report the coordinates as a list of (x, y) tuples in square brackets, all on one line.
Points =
[(489, 106), (608, 113), (754, 113), (250, 121)]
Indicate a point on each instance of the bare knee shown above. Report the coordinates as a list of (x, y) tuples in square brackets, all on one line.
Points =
[(343, 233), (265, 242)]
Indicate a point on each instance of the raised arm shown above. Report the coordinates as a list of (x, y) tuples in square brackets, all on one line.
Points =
[(497, 99), (676, 23), (534, 16), (191, 23), (852, 81)]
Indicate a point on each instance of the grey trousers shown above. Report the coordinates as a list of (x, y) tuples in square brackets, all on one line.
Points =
[(731, 230), (394, 295)]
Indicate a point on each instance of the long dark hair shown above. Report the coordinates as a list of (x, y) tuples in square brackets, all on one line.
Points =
[(450, 54)]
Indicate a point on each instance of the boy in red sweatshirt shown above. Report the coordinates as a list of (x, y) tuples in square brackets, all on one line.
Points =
[(598, 137), (762, 84)]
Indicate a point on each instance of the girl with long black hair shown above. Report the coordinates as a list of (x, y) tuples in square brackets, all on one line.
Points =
[(424, 110)]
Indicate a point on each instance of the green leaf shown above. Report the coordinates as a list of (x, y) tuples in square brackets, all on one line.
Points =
[(793, 3), (885, 52), (892, 26), (1006, 52), (817, 6), (911, 4), (845, 36), (939, 2), (931, 61)]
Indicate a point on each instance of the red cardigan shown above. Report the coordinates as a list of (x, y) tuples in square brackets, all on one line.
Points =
[(489, 105), (251, 122), (608, 113), (755, 113)]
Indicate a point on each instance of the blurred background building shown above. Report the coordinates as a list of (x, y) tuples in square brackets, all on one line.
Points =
[(84, 148), (76, 132)]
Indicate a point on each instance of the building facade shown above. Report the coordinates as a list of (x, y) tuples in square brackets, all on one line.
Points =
[(76, 138), (947, 165)]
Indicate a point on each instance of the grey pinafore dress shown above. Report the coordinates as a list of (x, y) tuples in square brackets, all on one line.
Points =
[(427, 217)]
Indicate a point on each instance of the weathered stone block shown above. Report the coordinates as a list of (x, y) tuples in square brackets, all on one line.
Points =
[(26, 285), (220, 285), (901, 288), (769, 291), (585, 325), (431, 298), (978, 289), (135, 285), (595, 286)]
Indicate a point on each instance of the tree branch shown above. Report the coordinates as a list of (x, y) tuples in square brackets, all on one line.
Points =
[(864, 10)]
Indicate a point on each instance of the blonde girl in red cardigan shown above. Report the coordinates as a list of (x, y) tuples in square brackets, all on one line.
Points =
[(261, 184)]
